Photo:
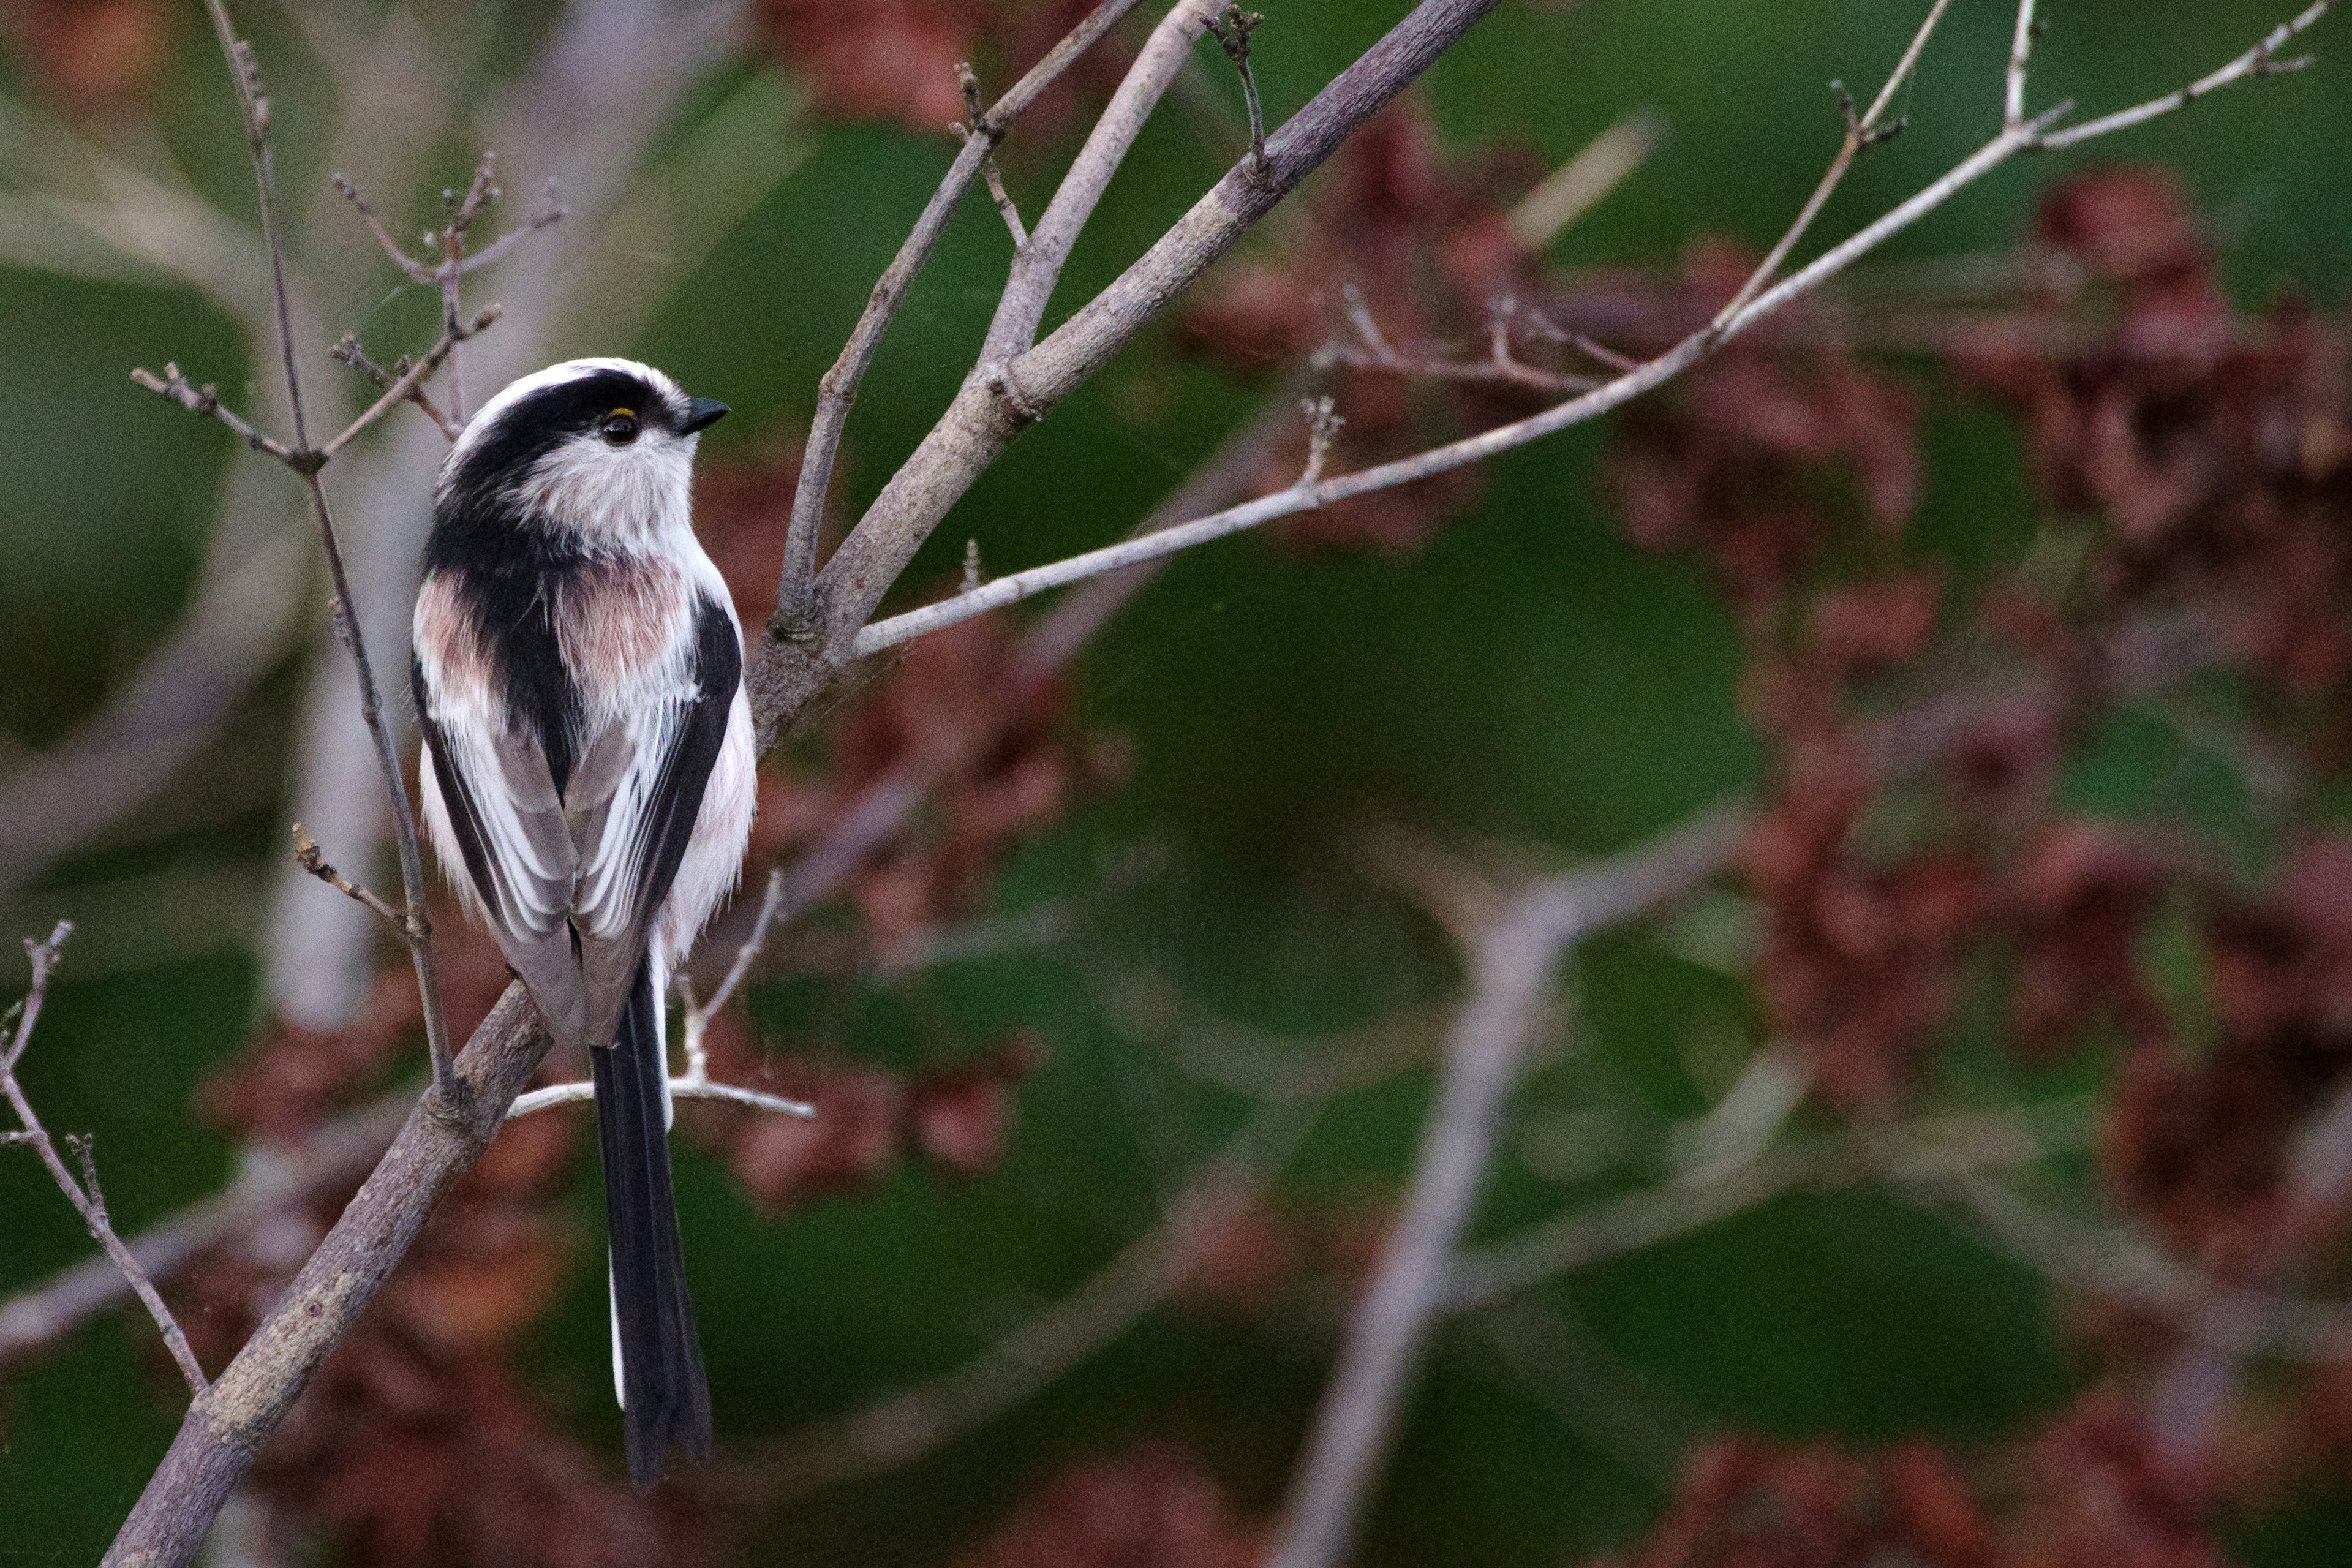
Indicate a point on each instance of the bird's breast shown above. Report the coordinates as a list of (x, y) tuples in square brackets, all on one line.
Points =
[(626, 626)]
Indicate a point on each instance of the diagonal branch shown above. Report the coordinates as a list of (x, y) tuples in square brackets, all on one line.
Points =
[(1038, 267)]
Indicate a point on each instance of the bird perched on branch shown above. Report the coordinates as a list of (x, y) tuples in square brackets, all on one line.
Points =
[(589, 766)]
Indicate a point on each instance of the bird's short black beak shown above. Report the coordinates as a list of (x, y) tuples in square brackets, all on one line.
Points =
[(701, 411)]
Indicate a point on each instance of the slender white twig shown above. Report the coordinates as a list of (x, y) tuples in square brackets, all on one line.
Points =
[(2021, 49), (680, 1088), (754, 942)]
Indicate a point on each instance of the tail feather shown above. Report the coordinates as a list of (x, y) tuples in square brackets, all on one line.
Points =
[(658, 1361)]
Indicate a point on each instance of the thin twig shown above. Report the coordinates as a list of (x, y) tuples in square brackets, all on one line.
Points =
[(550, 211), (1030, 281), (270, 1180), (2021, 51), (1232, 28), (680, 1088), (418, 271), (1862, 132), (206, 399), (994, 175), (404, 387), (311, 858), (253, 104), (451, 276), (747, 953), (85, 1195), (1499, 367), (2261, 60), (347, 351)]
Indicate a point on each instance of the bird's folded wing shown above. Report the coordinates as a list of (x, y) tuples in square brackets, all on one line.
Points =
[(509, 818)]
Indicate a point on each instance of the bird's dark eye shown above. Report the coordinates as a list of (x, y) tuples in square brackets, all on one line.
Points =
[(620, 427)]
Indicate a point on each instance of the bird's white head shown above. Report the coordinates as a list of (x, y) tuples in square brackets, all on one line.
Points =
[(601, 449)]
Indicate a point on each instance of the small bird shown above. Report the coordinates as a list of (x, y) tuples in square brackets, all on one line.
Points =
[(588, 780)]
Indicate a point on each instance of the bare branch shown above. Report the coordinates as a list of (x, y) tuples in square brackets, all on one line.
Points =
[(461, 212), (994, 407), (254, 105), (1499, 367), (306, 461), (226, 1426), (206, 399), (1861, 131), (754, 942), (686, 1088), (1512, 949), (550, 211), (347, 351), (85, 1195), (417, 927), (403, 387), (795, 615), (2021, 49)]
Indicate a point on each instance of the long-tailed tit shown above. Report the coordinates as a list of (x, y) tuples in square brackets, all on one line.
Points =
[(588, 764)]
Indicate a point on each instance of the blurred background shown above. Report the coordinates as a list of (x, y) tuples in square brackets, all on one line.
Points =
[(2007, 585)]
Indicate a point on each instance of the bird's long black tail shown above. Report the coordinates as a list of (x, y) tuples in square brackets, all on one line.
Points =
[(665, 1398)]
